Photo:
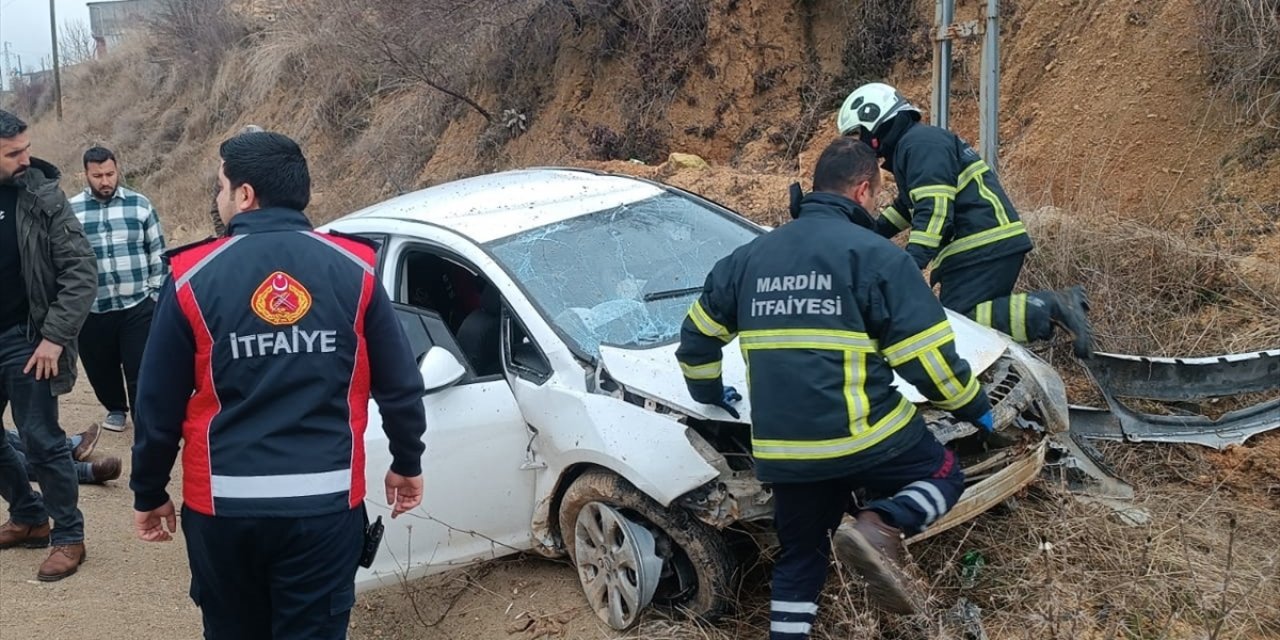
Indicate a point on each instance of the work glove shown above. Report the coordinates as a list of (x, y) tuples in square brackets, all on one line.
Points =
[(987, 422), (986, 426), (728, 399)]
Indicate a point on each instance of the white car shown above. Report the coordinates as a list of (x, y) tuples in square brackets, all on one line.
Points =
[(544, 306)]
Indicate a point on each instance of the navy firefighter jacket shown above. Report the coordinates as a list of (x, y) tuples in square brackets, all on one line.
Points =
[(825, 311), (953, 203), (264, 350)]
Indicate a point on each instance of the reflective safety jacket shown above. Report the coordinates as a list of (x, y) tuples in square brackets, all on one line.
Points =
[(951, 201), (265, 348), (825, 311)]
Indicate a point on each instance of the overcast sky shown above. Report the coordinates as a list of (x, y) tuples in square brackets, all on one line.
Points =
[(24, 24)]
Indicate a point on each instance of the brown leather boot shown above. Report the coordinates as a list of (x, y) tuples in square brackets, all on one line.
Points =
[(34, 536), (88, 440), (874, 549), (63, 561)]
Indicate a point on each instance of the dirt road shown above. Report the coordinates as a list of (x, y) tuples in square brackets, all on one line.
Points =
[(131, 589)]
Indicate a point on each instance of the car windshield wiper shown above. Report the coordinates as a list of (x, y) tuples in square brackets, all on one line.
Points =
[(673, 293)]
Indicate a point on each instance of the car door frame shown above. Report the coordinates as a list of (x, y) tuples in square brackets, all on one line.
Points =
[(463, 542)]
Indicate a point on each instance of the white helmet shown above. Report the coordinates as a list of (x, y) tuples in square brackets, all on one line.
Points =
[(870, 106)]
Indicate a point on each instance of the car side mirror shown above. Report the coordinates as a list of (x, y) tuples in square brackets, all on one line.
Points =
[(440, 369)]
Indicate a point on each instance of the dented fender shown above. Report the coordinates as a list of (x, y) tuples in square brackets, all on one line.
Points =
[(574, 428)]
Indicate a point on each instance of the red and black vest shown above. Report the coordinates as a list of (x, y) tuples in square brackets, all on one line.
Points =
[(275, 426)]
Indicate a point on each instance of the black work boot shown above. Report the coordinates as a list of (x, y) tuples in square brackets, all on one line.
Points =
[(1070, 312), (874, 549)]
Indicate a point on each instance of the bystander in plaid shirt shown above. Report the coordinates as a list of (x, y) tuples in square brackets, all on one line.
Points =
[(126, 237)]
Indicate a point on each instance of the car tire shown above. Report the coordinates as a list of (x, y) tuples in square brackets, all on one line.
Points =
[(699, 569)]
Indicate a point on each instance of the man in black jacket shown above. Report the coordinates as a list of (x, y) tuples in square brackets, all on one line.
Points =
[(825, 311), (265, 348), (960, 221), (48, 279)]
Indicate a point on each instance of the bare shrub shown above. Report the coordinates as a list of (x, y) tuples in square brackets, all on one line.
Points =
[(75, 43), (31, 96), (1153, 290), (661, 43), (880, 34), (1241, 40), (190, 37)]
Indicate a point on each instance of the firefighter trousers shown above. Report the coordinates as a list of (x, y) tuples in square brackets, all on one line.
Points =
[(915, 488), (984, 293), (274, 578)]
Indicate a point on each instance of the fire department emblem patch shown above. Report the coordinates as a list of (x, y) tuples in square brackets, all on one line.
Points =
[(281, 300)]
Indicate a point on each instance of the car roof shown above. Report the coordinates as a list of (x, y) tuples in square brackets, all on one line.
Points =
[(497, 205)]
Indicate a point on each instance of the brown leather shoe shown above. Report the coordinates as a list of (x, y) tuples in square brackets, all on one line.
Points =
[(88, 440), (34, 536), (63, 561), (105, 469), (874, 549)]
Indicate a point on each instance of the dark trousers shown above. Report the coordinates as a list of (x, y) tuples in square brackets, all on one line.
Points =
[(274, 578), (984, 293), (84, 470), (913, 490), (111, 347), (35, 413)]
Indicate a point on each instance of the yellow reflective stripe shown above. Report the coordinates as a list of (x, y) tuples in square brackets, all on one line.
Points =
[(895, 217), (970, 392), (980, 239), (706, 324), (1018, 317), (990, 196), (930, 338), (941, 373), (970, 172), (933, 191), (925, 239), (709, 371), (939, 217), (807, 339), (855, 392), (983, 314), (895, 420)]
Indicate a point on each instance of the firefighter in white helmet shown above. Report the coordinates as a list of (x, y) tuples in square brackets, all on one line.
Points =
[(960, 221)]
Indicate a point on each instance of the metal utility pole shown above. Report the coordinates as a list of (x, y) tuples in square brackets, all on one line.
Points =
[(940, 108), (57, 73), (989, 89), (989, 76)]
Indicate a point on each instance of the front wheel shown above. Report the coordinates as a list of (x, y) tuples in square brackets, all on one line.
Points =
[(630, 551)]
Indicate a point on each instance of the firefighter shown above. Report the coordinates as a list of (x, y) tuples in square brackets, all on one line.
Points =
[(265, 349), (960, 221), (825, 311)]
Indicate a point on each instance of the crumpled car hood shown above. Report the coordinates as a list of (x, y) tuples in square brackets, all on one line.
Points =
[(654, 373)]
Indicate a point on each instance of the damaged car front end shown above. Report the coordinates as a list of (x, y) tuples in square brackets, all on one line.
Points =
[(1028, 399)]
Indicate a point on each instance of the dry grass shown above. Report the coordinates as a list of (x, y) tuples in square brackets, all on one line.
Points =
[(1202, 567), (1157, 287), (1241, 42)]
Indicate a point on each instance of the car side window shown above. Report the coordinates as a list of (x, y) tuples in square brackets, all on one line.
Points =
[(415, 331), (425, 329), (522, 355)]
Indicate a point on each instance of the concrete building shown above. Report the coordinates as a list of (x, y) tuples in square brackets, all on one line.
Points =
[(110, 21)]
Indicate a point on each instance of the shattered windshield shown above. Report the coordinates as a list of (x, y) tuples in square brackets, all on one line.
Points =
[(623, 276)]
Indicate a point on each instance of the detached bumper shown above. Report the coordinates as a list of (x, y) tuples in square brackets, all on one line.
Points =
[(1001, 476)]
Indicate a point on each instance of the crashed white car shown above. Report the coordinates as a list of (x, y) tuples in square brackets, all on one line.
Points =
[(545, 306)]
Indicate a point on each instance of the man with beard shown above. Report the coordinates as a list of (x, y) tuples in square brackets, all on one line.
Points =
[(47, 278), (125, 233)]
